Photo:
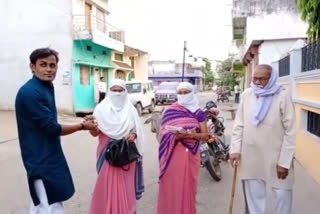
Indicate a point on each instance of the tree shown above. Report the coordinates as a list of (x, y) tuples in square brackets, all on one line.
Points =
[(227, 75), (310, 12), (207, 73)]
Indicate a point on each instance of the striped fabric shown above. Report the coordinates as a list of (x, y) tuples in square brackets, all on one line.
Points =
[(176, 115)]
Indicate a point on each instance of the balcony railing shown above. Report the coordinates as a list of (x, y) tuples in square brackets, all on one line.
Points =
[(88, 24), (284, 66), (311, 57)]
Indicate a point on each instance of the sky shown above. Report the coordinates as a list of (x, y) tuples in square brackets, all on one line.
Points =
[(161, 26)]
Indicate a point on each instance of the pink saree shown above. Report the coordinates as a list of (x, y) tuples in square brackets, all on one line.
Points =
[(179, 163), (115, 191)]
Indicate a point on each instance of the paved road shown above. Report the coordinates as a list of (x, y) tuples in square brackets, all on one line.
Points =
[(213, 197)]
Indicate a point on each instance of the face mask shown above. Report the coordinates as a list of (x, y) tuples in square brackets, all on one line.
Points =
[(185, 99), (117, 99)]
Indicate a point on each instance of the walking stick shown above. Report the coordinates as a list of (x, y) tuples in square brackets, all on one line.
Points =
[(233, 187)]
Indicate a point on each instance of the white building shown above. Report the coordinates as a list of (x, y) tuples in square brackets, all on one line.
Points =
[(263, 31), (27, 25), (77, 29)]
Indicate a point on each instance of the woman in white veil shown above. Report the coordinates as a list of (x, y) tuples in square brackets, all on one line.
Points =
[(117, 190)]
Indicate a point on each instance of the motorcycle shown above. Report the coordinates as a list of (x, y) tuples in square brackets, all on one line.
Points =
[(213, 153)]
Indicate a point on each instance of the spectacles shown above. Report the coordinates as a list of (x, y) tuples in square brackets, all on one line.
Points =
[(260, 79)]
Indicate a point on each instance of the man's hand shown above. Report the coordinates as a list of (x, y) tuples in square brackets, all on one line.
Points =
[(132, 137), (282, 172), (89, 125), (89, 117), (235, 159)]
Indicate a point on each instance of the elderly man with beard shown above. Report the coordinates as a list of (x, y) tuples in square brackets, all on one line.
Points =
[(263, 143)]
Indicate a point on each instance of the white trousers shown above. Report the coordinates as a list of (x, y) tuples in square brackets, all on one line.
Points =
[(44, 207), (256, 196)]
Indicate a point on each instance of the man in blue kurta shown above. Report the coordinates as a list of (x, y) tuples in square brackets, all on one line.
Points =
[(49, 178)]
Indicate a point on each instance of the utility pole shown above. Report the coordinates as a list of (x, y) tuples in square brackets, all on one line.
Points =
[(184, 58)]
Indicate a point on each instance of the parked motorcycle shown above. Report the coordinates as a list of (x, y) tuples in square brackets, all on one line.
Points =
[(213, 153)]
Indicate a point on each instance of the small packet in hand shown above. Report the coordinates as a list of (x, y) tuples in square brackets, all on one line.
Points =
[(175, 129)]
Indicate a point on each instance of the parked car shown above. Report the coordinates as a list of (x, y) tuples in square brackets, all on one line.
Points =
[(141, 95), (166, 92)]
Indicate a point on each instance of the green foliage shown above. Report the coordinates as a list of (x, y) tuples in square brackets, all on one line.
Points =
[(230, 72), (310, 12), (207, 73)]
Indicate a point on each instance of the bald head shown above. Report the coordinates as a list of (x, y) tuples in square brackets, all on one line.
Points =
[(262, 75)]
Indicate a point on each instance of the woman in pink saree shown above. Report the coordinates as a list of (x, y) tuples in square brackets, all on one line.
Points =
[(179, 157), (117, 189)]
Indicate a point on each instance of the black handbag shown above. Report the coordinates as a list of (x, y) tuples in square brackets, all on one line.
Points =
[(121, 152)]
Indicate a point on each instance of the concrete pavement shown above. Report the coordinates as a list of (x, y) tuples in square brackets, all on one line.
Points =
[(79, 148)]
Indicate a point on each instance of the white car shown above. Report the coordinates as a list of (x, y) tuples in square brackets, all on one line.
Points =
[(141, 94)]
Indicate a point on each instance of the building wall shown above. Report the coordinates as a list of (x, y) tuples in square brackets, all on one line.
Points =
[(308, 145), (282, 25), (44, 24), (252, 65), (78, 7), (101, 3), (141, 67), (270, 51), (98, 36), (161, 67), (126, 59), (85, 96), (304, 88), (258, 7)]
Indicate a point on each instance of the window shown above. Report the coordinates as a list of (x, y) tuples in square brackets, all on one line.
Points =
[(145, 87), (104, 74), (88, 11), (84, 75), (121, 75), (89, 48), (313, 123), (104, 52), (133, 88), (132, 61), (101, 21), (118, 57)]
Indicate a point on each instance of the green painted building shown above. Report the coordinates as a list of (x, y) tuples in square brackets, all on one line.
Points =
[(90, 62)]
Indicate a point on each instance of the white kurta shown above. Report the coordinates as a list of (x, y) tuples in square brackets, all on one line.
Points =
[(269, 144)]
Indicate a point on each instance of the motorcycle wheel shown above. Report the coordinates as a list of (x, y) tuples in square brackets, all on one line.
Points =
[(213, 166), (222, 140)]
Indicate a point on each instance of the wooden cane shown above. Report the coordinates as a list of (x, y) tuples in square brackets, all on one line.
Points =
[(233, 187)]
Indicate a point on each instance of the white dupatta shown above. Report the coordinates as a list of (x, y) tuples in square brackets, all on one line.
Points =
[(117, 122)]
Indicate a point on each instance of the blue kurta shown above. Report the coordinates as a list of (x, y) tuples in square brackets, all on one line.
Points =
[(39, 138)]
